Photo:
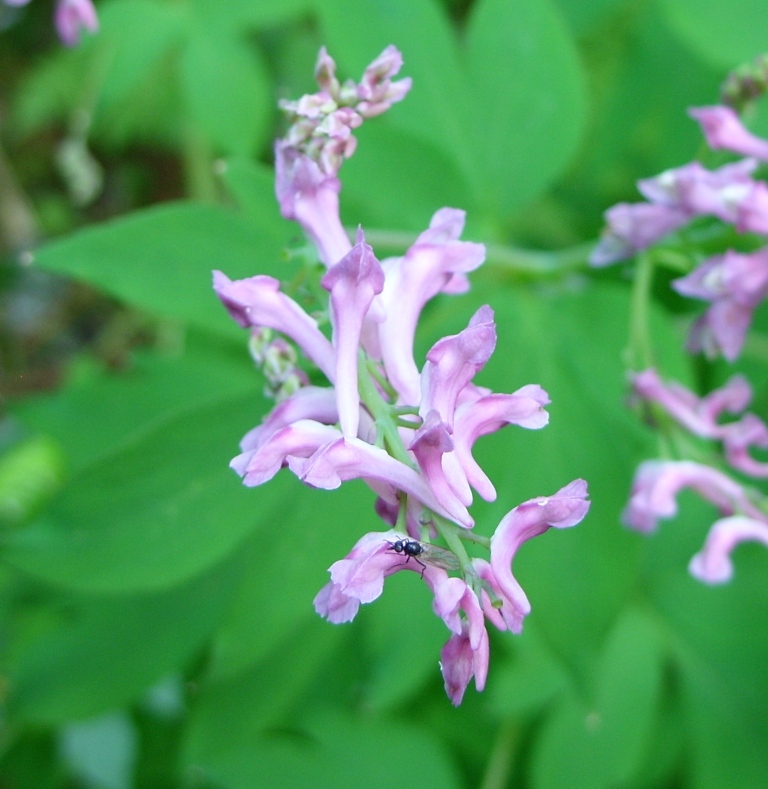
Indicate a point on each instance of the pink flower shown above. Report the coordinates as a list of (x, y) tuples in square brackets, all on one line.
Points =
[(376, 91), (460, 661), (320, 138), (72, 17), (359, 577), (713, 563), (436, 262), (310, 197), (300, 439), (490, 413), (353, 283), (453, 362), (657, 483), (736, 284), (565, 508), (739, 437), (258, 301), (699, 415), (723, 129), (632, 227)]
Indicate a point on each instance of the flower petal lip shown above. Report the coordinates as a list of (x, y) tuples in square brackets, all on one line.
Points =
[(359, 576), (487, 414), (723, 128), (565, 508), (258, 301), (299, 439), (453, 361), (427, 268), (713, 563)]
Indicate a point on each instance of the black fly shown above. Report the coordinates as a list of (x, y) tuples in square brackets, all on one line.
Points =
[(413, 549)]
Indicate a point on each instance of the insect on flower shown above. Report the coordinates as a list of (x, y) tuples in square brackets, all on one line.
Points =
[(431, 554)]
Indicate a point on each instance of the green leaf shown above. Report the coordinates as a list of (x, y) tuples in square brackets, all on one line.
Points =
[(160, 259), (585, 15), (725, 34), (336, 749), (156, 511), (601, 744), (238, 15), (226, 88), (380, 189), (106, 650), (252, 185), (528, 93), (720, 643), (134, 35), (293, 557), (97, 410), (404, 638), (231, 713), (530, 682)]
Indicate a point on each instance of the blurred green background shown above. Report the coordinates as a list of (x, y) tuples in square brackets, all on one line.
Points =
[(157, 627)]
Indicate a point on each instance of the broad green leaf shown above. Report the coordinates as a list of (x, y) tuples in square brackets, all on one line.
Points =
[(720, 642), (397, 179), (226, 89), (585, 15), (157, 510), (231, 713), (252, 185), (600, 742), (356, 31), (531, 680), (528, 94), (160, 259), (337, 749), (105, 651), (307, 536), (404, 638), (98, 410), (238, 15), (628, 694), (134, 35), (725, 34)]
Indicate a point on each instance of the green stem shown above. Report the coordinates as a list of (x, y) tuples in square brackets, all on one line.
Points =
[(506, 259), (640, 351), (502, 757), (381, 411)]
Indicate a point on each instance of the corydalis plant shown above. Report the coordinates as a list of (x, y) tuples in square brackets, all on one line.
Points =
[(407, 432), (735, 282)]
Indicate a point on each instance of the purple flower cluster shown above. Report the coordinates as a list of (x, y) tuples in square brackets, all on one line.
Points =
[(407, 432), (734, 283), (71, 17), (657, 483)]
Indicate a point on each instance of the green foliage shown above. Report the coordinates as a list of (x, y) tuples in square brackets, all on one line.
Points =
[(157, 622)]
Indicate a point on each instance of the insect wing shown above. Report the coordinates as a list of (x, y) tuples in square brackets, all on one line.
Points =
[(439, 557)]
